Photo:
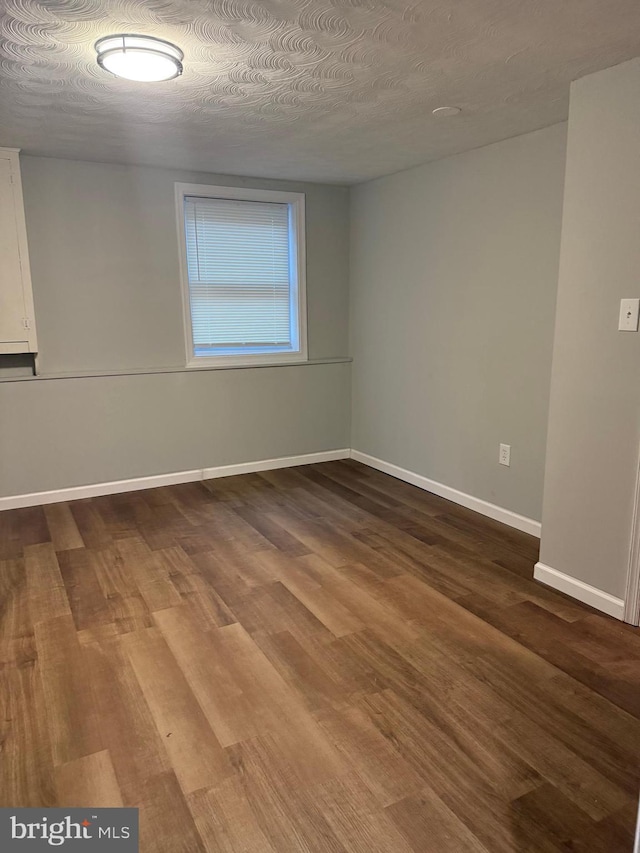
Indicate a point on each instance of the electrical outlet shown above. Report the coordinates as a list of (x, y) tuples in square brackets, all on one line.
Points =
[(504, 455)]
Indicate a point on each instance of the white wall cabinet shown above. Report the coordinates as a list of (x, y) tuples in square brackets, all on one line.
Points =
[(17, 323)]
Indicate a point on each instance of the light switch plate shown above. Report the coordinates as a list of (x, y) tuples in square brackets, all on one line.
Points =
[(628, 321)]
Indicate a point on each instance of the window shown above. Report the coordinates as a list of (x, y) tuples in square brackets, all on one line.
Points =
[(242, 275)]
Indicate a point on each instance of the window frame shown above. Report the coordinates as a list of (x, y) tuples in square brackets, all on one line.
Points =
[(296, 201)]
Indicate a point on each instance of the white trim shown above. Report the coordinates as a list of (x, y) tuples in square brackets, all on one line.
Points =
[(632, 593), (31, 345), (240, 193), (115, 487), (498, 513), (296, 202), (578, 589), (225, 362), (273, 464)]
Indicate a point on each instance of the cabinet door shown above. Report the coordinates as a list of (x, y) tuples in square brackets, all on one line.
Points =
[(12, 303)]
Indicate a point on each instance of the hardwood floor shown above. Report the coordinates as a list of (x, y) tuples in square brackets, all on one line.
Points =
[(321, 659)]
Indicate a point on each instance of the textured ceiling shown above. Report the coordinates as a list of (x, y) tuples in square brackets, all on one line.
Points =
[(326, 90)]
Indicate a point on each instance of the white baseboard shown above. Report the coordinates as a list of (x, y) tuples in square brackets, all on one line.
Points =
[(632, 597), (545, 574), (273, 464), (95, 490), (578, 589), (498, 513), (74, 493)]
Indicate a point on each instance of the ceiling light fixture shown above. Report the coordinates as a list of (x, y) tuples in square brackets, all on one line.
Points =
[(445, 112), (140, 58)]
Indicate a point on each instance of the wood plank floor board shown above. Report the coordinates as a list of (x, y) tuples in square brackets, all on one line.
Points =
[(304, 671), (309, 591), (204, 666), (90, 524), (287, 813), (226, 821), (164, 527), (445, 705), (16, 626), (127, 726), (545, 813), (550, 637), (207, 606), (62, 527), (149, 574), (449, 773), (356, 819), (45, 585), (69, 703), (166, 822), (430, 826), (604, 743), (26, 761), (300, 742), (31, 526), (197, 758), (380, 766), (89, 605), (308, 501), (11, 547), (321, 659), (88, 782), (274, 608), (275, 534)]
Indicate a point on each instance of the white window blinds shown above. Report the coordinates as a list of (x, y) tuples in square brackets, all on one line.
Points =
[(241, 276)]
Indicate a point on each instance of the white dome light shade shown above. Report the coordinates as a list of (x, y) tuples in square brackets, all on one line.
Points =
[(140, 58), (446, 112)]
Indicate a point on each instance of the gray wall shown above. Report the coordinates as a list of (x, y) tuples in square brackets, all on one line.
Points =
[(454, 275), (71, 432), (104, 262), (594, 419)]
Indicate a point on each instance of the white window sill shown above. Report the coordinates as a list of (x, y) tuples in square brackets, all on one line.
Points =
[(229, 361)]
